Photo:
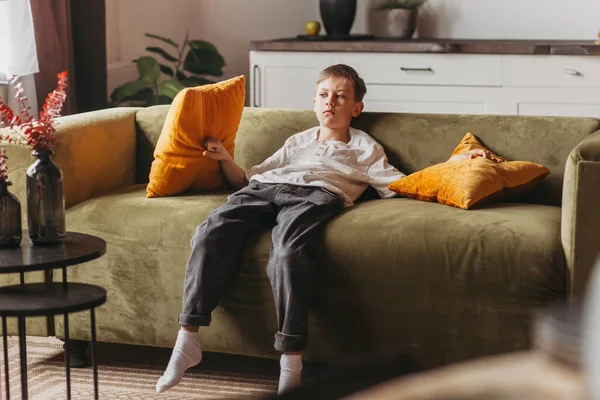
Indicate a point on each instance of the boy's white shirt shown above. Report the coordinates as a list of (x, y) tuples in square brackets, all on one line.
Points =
[(346, 169)]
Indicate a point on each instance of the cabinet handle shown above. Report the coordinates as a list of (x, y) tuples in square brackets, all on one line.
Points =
[(573, 72), (416, 69), (256, 85)]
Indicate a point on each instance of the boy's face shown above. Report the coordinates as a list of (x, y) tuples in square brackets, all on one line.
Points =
[(335, 105)]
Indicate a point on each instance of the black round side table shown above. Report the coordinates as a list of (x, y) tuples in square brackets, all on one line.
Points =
[(48, 298)]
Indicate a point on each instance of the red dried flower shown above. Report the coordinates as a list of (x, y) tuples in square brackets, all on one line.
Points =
[(36, 133)]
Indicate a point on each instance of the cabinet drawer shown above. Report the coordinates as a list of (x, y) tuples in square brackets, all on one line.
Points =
[(433, 99), (551, 71), (425, 69)]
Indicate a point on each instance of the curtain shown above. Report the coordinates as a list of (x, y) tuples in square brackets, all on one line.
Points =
[(54, 47), (70, 35), (17, 50)]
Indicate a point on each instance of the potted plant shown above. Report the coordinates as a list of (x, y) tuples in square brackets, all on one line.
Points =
[(188, 63), (400, 17)]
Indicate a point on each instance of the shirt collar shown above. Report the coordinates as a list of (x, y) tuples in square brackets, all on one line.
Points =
[(315, 134)]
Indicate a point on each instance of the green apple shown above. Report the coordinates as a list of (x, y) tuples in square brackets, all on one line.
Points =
[(313, 28)]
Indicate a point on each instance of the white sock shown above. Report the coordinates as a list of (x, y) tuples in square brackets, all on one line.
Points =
[(291, 372), (186, 354)]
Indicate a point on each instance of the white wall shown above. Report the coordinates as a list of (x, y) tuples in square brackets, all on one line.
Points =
[(232, 24), (512, 19)]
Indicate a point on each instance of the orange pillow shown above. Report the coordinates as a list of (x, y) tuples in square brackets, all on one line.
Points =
[(473, 182), (196, 114)]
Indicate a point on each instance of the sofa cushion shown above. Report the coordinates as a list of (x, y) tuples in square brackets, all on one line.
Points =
[(471, 182), (197, 114), (508, 252), (148, 246), (388, 271), (401, 276), (160, 222)]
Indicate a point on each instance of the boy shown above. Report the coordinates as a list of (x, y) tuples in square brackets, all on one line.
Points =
[(309, 180)]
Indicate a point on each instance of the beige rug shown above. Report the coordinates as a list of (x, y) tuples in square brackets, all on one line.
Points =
[(47, 379)]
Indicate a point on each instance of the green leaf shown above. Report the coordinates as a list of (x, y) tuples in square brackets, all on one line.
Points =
[(202, 45), (166, 70), (204, 63), (170, 88), (143, 95), (203, 59), (148, 69), (128, 91), (188, 83), (163, 53), (181, 76), (164, 100), (164, 39), (192, 81)]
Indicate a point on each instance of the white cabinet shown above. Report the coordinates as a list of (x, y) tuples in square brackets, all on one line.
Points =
[(285, 79), (425, 69), (550, 85), (551, 71), (551, 101), (433, 99)]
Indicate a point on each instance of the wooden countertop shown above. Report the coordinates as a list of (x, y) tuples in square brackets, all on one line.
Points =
[(383, 45)]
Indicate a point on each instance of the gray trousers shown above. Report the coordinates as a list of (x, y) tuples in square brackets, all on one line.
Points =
[(297, 215)]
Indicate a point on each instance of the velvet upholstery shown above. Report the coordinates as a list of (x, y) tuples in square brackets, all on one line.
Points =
[(393, 276), (580, 212)]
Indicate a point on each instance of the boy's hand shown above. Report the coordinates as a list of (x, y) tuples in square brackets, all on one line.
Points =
[(215, 150), (470, 155)]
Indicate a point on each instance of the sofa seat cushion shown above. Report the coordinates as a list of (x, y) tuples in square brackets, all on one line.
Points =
[(158, 222), (148, 246), (149, 229), (401, 276), (390, 273), (507, 253)]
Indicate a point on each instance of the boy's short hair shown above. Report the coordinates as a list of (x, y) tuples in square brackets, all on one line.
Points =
[(345, 71)]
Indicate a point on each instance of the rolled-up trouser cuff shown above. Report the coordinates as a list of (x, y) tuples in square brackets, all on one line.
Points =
[(286, 343), (194, 320)]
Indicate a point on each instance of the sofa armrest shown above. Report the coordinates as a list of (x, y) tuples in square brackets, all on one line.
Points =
[(580, 212), (95, 151)]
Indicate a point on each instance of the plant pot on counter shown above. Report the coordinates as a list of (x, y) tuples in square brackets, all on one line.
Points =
[(397, 23)]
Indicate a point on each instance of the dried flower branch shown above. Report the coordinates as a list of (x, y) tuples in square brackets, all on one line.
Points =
[(36, 133)]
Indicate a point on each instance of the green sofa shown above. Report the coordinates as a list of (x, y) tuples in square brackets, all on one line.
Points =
[(395, 276)]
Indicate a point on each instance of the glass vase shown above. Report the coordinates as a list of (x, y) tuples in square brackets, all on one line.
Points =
[(45, 201), (10, 218)]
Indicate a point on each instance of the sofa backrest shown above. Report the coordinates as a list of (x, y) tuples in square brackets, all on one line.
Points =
[(412, 141)]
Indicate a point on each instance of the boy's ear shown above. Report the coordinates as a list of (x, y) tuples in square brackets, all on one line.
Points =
[(358, 108)]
